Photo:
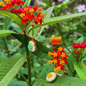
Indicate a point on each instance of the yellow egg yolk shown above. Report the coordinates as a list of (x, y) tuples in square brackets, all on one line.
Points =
[(49, 75)]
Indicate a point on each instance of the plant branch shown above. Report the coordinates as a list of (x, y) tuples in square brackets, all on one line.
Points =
[(33, 82), (28, 54), (6, 47), (23, 77), (63, 39), (33, 67)]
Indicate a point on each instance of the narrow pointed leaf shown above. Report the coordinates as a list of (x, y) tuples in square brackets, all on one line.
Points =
[(5, 32), (41, 51), (81, 70), (2, 59), (81, 39), (8, 23), (27, 3), (61, 19), (9, 68), (18, 83), (14, 17)]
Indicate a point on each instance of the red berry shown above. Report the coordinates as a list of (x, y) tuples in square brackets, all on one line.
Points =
[(18, 10), (77, 51), (18, 2), (35, 8), (73, 51), (66, 73), (13, 2), (83, 46), (19, 32)]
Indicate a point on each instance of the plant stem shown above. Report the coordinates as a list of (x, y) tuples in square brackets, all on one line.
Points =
[(50, 2), (29, 69), (32, 31), (33, 67), (6, 47), (23, 77), (63, 39), (33, 82), (32, 59), (70, 62), (28, 54), (74, 73)]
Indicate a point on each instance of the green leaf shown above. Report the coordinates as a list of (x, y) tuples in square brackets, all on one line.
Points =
[(63, 81), (27, 3), (84, 53), (80, 40), (41, 51), (38, 84), (81, 70), (8, 23), (18, 83), (5, 32), (60, 80), (67, 2), (9, 68), (2, 59), (16, 27), (48, 12), (61, 6), (15, 18), (61, 19), (1, 24), (37, 68)]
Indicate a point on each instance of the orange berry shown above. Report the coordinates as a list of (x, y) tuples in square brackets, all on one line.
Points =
[(63, 55), (55, 61), (60, 49), (22, 15), (52, 38), (54, 54), (31, 10), (42, 15), (49, 53), (50, 62), (57, 69), (62, 62), (39, 9), (1, 3), (26, 9)]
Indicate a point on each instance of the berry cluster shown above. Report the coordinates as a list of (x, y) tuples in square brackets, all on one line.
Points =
[(17, 2), (76, 51), (10, 4), (55, 41), (59, 55), (78, 46), (26, 13)]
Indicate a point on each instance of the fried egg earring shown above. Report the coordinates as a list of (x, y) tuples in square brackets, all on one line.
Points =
[(32, 43), (51, 77)]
